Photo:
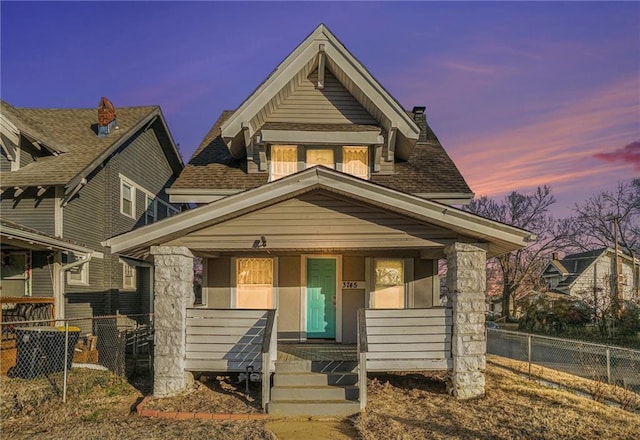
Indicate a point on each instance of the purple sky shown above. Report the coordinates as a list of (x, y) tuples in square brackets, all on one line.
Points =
[(520, 94)]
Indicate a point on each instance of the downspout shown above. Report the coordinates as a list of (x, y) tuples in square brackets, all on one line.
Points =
[(59, 312)]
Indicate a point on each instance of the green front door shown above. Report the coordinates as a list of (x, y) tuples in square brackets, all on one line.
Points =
[(321, 298)]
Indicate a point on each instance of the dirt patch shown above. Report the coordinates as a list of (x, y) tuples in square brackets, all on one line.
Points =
[(215, 394), (309, 428)]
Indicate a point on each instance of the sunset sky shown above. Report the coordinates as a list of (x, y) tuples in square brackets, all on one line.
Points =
[(520, 94)]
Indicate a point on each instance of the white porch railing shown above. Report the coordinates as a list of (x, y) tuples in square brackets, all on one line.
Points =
[(402, 340), (233, 340)]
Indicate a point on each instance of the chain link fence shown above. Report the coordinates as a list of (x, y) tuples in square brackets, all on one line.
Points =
[(603, 363), (54, 349)]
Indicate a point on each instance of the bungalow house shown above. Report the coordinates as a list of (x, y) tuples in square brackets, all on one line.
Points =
[(71, 178), (325, 208), (594, 275)]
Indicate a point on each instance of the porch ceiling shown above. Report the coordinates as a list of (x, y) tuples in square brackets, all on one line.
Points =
[(391, 220)]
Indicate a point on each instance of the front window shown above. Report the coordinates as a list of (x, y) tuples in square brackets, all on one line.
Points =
[(254, 283), (284, 161), (389, 285), (79, 275), (320, 156)]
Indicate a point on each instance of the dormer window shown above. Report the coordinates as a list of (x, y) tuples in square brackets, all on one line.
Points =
[(289, 159)]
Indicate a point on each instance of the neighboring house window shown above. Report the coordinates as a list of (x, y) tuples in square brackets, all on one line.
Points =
[(284, 161), (79, 275), (320, 156), (355, 161), (151, 212), (127, 199), (254, 283), (389, 284), (128, 277), (15, 273)]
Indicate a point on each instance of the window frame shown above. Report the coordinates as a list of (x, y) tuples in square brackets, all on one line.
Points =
[(367, 164), (132, 187), (405, 292), (273, 163), (25, 275), (234, 280), (83, 269), (134, 277)]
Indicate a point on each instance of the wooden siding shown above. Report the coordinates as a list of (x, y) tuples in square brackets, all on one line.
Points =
[(318, 221), (84, 216), (261, 117), (5, 163), (408, 339), (41, 274), (30, 210), (331, 105), (225, 340)]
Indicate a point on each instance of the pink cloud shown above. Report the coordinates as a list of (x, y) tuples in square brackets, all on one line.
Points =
[(469, 67), (629, 154)]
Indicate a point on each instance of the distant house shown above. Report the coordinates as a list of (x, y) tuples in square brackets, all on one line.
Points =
[(590, 274), (325, 209), (70, 178)]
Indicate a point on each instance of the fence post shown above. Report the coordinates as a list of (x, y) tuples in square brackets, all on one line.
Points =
[(529, 354), (66, 356), (608, 365)]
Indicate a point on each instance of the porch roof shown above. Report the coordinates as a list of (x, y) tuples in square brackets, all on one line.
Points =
[(499, 237), (21, 236)]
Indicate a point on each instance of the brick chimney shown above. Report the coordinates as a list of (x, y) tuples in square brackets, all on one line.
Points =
[(554, 256), (106, 117), (420, 119)]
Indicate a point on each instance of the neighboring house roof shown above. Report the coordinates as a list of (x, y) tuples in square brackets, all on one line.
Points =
[(429, 168), (501, 238), (298, 64), (576, 264), (23, 236), (559, 267), (73, 132)]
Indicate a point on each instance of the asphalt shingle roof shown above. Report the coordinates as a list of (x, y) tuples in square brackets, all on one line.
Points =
[(428, 170), (74, 131)]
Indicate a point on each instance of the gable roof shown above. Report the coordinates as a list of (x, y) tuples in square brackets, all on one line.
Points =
[(576, 264), (213, 167), (500, 237), (345, 67), (73, 132)]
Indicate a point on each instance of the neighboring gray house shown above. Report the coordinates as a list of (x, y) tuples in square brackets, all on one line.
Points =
[(70, 178), (325, 207), (591, 274)]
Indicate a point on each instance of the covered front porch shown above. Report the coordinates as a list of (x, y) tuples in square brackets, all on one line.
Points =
[(314, 257)]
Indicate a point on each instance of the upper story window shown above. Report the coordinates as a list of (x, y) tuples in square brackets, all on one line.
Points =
[(284, 160), (320, 156), (127, 199), (352, 160), (152, 211), (355, 161)]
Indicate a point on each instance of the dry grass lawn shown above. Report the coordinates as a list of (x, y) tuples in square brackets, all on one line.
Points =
[(403, 406)]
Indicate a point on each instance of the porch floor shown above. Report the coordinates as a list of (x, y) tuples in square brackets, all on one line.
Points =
[(288, 352)]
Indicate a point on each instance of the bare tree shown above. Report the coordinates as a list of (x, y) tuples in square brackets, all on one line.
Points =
[(595, 220), (519, 271)]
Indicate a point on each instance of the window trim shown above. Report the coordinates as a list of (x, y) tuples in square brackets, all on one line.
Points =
[(134, 277), (132, 187), (84, 275), (233, 300)]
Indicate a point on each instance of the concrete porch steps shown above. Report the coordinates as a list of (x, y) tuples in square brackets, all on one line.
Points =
[(315, 388)]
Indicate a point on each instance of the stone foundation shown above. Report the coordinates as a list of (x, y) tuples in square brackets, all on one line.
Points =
[(466, 281), (173, 286)]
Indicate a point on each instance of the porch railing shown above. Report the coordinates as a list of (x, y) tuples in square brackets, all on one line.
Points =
[(232, 340), (27, 308), (402, 340)]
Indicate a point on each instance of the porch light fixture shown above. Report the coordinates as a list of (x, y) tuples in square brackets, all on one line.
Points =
[(263, 241)]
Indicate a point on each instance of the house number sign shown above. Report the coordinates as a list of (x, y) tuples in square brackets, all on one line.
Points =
[(353, 284)]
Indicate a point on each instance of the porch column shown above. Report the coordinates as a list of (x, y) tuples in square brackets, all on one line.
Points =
[(173, 294), (466, 281)]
